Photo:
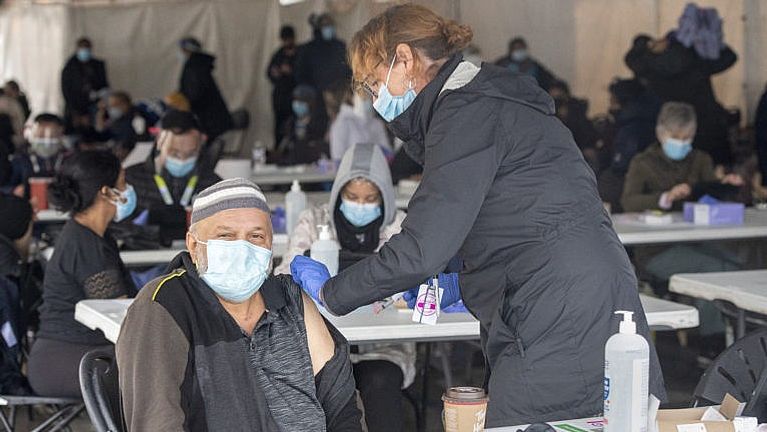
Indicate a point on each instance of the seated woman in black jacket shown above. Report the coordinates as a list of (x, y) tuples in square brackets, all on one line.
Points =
[(86, 264)]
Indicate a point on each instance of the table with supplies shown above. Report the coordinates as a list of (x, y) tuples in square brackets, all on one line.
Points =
[(593, 424), (746, 290), (633, 231), (391, 325)]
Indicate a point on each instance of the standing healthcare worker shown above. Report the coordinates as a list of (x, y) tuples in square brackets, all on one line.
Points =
[(506, 189)]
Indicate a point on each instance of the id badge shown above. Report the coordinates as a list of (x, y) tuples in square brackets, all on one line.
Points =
[(426, 309)]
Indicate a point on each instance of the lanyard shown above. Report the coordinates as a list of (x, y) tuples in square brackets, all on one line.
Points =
[(186, 197), (36, 164)]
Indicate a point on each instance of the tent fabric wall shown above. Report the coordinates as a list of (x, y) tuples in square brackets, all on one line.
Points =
[(582, 41)]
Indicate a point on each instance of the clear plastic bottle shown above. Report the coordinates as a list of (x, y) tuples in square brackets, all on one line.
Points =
[(626, 384), (325, 250), (295, 203)]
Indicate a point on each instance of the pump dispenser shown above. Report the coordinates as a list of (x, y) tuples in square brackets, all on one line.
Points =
[(325, 250), (626, 384), (295, 203)]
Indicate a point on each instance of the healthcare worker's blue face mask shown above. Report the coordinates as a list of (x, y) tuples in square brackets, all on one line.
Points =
[(677, 149), (236, 269), (328, 32), (83, 54), (359, 214), (126, 204), (390, 106), (180, 167), (300, 108)]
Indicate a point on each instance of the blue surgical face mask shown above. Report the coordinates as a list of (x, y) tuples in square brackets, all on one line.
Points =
[(236, 269), (390, 106), (83, 54), (328, 32), (115, 113), (360, 215), (677, 149), (126, 204), (300, 108), (180, 167), (519, 55)]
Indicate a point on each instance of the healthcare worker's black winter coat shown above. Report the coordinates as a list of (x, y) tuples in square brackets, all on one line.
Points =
[(506, 188)]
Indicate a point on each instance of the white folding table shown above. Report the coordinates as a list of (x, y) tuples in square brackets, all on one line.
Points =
[(746, 290), (270, 175), (632, 231), (363, 326), (51, 216)]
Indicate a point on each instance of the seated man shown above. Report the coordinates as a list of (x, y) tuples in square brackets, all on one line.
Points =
[(167, 181), (664, 175), (219, 345), (119, 121), (41, 157)]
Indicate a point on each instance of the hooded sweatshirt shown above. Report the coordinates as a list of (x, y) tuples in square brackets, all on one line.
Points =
[(360, 161)]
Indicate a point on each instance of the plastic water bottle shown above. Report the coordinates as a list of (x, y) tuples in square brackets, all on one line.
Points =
[(325, 250), (295, 203), (627, 365)]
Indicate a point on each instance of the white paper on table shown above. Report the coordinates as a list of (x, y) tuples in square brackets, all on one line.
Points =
[(691, 427)]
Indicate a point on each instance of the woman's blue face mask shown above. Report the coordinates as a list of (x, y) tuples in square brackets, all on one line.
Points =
[(390, 106), (359, 214)]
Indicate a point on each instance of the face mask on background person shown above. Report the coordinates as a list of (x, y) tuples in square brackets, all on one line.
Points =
[(126, 204), (328, 32), (677, 149), (115, 112), (390, 106), (235, 269), (300, 108), (45, 146), (358, 214), (83, 54), (519, 55), (180, 167)]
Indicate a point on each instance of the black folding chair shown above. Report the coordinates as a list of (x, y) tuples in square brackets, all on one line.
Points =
[(64, 411), (737, 371), (101, 392)]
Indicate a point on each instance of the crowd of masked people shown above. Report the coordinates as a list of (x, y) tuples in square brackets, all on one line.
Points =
[(665, 140)]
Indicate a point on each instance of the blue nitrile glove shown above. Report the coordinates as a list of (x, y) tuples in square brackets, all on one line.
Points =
[(310, 274), (451, 294)]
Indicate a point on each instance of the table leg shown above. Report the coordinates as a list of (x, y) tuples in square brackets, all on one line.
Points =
[(741, 330), (424, 387)]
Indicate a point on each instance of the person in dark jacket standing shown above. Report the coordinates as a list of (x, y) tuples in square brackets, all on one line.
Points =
[(200, 88), (519, 60), (760, 135), (281, 73), (681, 72), (506, 189), (82, 79), (321, 62)]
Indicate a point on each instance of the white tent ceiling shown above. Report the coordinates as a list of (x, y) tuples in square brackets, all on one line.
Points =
[(583, 41)]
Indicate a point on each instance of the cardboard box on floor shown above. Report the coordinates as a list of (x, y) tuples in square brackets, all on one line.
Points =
[(675, 420)]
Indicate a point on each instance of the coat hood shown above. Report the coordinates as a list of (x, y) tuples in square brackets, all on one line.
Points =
[(367, 161), (458, 76)]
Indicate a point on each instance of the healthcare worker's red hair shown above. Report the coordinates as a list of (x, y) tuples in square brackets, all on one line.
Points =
[(417, 26)]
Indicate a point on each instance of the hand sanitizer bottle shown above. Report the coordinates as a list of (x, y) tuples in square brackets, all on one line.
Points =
[(295, 203), (325, 250), (626, 387)]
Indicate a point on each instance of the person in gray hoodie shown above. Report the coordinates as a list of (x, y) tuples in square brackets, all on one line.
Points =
[(504, 187), (363, 216)]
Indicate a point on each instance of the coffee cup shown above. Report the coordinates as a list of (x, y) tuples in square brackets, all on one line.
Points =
[(38, 191), (464, 409)]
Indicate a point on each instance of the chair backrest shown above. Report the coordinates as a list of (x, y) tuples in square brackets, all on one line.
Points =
[(736, 371), (100, 388)]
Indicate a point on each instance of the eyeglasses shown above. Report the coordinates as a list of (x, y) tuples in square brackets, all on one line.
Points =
[(364, 86)]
